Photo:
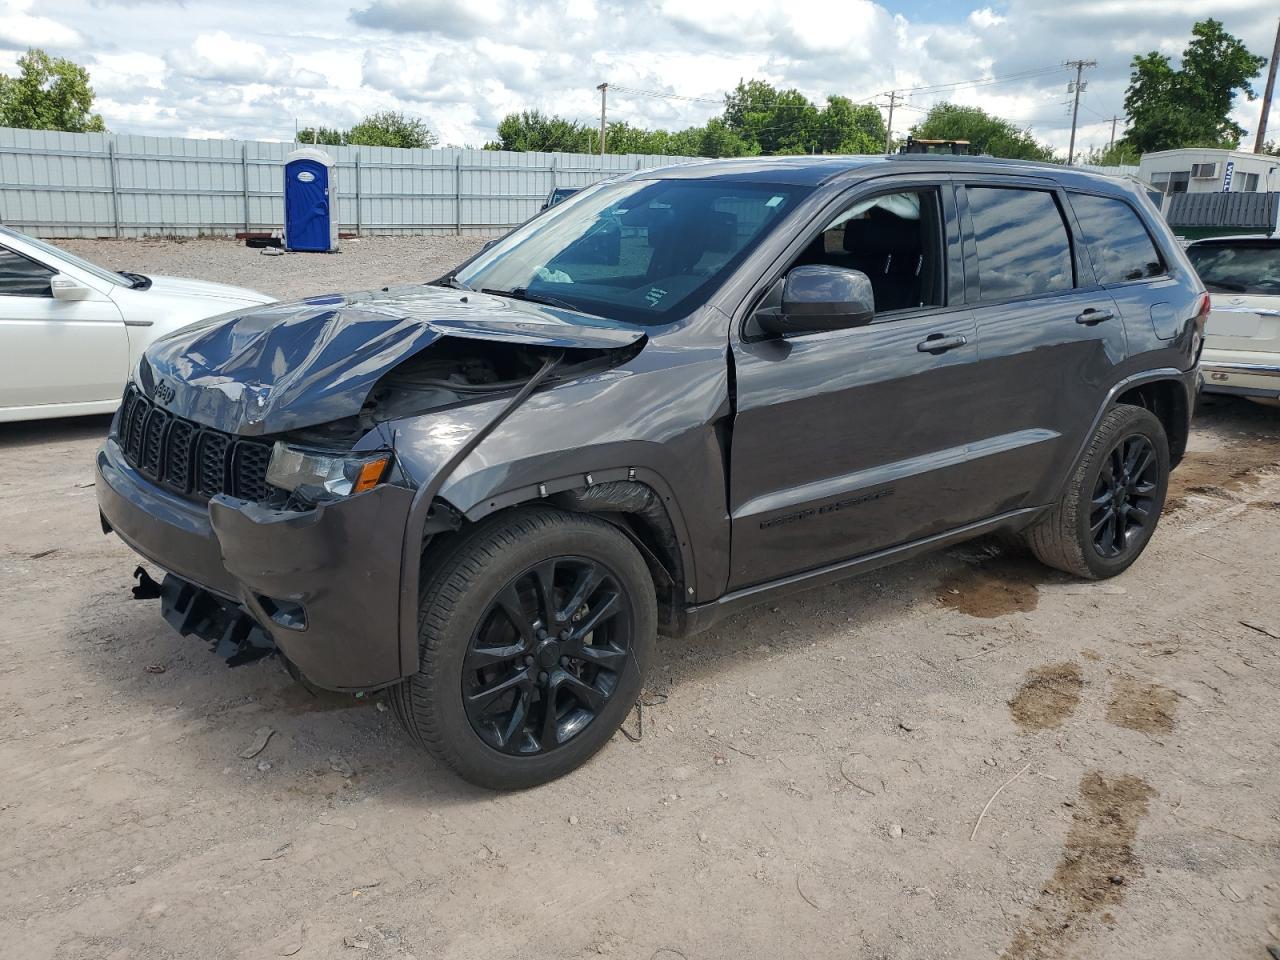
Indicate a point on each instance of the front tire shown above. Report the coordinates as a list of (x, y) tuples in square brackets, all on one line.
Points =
[(535, 632), (1109, 510)]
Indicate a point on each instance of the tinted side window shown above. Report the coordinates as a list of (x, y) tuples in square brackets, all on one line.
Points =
[(1119, 243), (1023, 249), (20, 277)]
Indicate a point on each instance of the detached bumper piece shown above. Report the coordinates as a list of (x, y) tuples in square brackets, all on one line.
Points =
[(234, 635)]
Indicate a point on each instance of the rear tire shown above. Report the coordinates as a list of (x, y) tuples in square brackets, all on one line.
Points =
[(479, 701), (1111, 505)]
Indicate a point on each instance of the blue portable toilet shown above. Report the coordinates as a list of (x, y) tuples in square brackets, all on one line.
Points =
[(310, 199)]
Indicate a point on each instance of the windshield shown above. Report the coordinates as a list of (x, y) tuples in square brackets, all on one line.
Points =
[(1252, 268), (67, 257), (642, 251)]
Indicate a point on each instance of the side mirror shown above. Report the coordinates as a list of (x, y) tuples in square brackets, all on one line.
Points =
[(817, 297), (65, 288)]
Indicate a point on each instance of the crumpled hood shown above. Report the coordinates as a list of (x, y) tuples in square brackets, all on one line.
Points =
[(312, 361)]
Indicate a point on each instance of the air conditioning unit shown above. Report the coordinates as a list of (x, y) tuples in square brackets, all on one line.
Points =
[(1204, 171)]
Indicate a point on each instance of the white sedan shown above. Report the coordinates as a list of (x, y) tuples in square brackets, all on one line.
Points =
[(70, 331)]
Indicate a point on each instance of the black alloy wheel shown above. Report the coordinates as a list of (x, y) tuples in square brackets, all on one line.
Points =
[(547, 655), (1107, 511), (1123, 505)]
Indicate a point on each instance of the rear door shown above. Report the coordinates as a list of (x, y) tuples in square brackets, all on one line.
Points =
[(851, 441), (55, 351), (1049, 335)]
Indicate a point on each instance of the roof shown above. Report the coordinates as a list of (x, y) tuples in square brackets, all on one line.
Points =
[(813, 170), (802, 170)]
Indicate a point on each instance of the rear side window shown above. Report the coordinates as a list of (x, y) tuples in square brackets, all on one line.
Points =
[(1023, 247), (20, 277), (1118, 242), (1250, 268)]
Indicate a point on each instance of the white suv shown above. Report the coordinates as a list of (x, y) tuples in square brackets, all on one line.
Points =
[(1242, 338)]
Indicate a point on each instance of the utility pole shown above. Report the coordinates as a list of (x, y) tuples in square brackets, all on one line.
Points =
[(1266, 96), (1112, 144), (1077, 87), (604, 92), (888, 131)]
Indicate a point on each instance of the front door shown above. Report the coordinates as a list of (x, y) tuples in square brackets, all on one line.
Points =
[(851, 441), (56, 351)]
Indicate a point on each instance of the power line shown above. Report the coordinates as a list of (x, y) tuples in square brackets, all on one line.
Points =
[(660, 95), (984, 81)]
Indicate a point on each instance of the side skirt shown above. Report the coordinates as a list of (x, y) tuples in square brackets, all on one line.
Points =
[(703, 616)]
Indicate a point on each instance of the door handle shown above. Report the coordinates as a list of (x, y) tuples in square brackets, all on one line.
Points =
[(937, 343), (1092, 317)]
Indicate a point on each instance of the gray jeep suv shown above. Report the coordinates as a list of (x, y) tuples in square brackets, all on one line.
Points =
[(674, 394)]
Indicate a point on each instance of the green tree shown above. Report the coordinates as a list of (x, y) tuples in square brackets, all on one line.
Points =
[(774, 121), (48, 94), (390, 128), (987, 134), (325, 135), (1190, 106), (1121, 154), (533, 130), (846, 127), (716, 139)]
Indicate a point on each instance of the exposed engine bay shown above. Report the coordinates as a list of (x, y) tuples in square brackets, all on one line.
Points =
[(457, 371)]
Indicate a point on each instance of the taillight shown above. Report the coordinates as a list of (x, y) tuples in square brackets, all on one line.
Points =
[(1201, 317)]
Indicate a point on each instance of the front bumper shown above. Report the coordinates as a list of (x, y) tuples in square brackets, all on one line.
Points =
[(1242, 374), (324, 584)]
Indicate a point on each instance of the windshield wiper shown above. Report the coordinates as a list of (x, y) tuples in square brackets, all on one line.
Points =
[(522, 293), (136, 280)]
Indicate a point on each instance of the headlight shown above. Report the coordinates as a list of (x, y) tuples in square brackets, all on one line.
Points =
[(317, 476)]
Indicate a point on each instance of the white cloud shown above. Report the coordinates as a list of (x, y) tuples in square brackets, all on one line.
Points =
[(19, 29), (984, 18), (249, 69)]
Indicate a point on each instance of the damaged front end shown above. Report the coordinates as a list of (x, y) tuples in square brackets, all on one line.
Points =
[(255, 460)]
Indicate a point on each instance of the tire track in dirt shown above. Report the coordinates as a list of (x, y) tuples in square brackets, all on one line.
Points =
[(1144, 707), (1220, 473), (994, 586), (1098, 862), (1047, 697), (1097, 866)]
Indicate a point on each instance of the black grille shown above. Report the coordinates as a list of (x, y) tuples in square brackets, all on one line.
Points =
[(188, 458), (249, 470), (211, 462)]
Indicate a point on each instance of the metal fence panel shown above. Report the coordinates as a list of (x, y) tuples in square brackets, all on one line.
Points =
[(1244, 211), (55, 184)]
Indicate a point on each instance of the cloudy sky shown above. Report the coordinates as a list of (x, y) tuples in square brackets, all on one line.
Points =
[(250, 68)]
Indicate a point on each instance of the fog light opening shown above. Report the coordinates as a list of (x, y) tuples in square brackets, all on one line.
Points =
[(284, 613)]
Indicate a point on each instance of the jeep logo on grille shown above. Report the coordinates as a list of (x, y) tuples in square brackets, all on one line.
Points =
[(163, 392)]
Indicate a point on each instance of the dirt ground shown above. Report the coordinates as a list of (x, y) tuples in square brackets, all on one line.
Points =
[(964, 756)]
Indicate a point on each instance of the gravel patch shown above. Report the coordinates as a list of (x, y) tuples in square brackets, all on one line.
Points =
[(361, 264)]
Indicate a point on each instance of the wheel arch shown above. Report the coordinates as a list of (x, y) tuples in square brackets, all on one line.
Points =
[(1167, 399), (636, 500)]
